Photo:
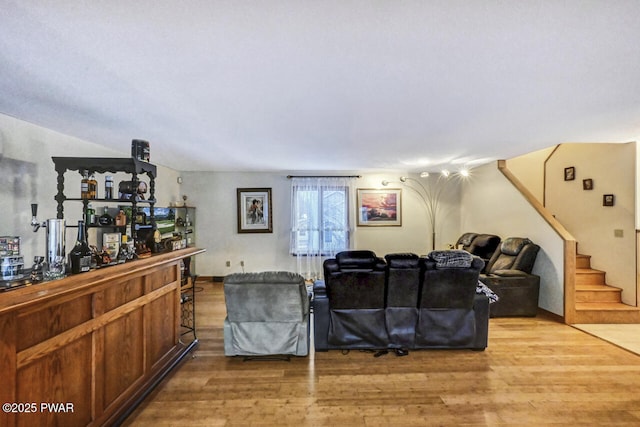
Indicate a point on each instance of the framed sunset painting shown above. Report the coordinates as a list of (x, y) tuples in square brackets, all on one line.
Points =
[(379, 208)]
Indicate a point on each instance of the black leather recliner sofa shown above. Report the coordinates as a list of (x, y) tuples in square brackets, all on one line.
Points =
[(481, 245), (419, 303), (355, 287), (508, 274)]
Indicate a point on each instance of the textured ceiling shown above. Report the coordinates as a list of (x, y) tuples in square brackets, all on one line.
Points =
[(325, 85)]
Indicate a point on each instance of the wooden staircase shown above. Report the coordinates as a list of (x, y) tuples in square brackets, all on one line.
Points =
[(597, 302)]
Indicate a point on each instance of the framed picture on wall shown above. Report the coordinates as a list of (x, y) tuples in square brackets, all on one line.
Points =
[(570, 173), (608, 200), (587, 184), (379, 208), (254, 210)]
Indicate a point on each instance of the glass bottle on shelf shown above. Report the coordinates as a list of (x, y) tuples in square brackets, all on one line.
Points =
[(84, 185), (93, 186), (108, 187), (91, 215), (80, 255), (121, 219), (123, 252), (141, 217), (105, 218)]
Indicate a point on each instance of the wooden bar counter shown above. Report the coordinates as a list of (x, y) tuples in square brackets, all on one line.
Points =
[(85, 349)]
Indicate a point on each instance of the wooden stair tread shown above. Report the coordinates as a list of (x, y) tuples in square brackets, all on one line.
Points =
[(588, 271), (605, 306), (597, 288)]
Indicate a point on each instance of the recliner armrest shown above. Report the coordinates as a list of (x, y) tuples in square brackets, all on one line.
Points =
[(319, 288), (509, 273)]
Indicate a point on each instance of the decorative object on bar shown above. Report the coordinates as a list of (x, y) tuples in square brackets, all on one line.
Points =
[(55, 244), (129, 190), (140, 149), (37, 269), (430, 192), (11, 267)]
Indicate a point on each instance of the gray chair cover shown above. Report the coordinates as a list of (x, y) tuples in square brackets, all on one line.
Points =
[(267, 314)]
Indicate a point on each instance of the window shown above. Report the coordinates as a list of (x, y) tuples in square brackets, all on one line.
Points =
[(320, 217)]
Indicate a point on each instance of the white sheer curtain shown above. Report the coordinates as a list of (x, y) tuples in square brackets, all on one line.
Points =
[(320, 221)]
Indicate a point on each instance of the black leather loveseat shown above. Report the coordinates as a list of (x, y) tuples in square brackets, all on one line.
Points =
[(400, 302)]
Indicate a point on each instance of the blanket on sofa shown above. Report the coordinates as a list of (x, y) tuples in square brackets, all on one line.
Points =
[(481, 288)]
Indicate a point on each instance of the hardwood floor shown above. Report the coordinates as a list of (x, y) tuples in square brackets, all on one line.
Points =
[(534, 372)]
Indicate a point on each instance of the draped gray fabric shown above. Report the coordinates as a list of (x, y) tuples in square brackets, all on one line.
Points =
[(267, 314)]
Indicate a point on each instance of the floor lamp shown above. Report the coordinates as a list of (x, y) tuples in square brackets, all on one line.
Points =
[(430, 193)]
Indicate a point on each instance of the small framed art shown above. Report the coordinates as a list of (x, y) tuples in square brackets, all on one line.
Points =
[(254, 210), (379, 208), (570, 173), (608, 200), (587, 184)]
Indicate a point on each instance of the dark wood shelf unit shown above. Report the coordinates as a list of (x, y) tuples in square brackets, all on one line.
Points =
[(129, 165)]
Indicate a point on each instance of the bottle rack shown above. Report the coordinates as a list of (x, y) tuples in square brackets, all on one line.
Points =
[(102, 165)]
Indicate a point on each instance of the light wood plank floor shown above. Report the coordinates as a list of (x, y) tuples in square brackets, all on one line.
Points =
[(535, 372)]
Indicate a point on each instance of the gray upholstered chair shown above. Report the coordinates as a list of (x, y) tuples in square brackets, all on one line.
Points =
[(508, 274), (267, 314)]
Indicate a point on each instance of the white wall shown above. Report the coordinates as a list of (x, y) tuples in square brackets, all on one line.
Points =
[(529, 169), (612, 168), (214, 195), (490, 204), (27, 175)]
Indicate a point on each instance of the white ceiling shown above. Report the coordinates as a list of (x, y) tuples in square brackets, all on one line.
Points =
[(334, 85)]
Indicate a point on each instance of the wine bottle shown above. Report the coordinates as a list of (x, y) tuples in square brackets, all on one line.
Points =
[(80, 255)]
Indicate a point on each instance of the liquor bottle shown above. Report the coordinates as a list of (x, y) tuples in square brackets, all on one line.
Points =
[(80, 255), (91, 215), (93, 186), (123, 252), (121, 219), (105, 218), (108, 187), (84, 185), (141, 217)]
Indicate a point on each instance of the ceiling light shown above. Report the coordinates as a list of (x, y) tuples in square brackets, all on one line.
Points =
[(445, 173), (403, 178), (385, 182), (464, 172), (424, 174)]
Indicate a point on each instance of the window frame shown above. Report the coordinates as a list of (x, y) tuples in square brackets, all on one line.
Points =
[(322, 250)]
